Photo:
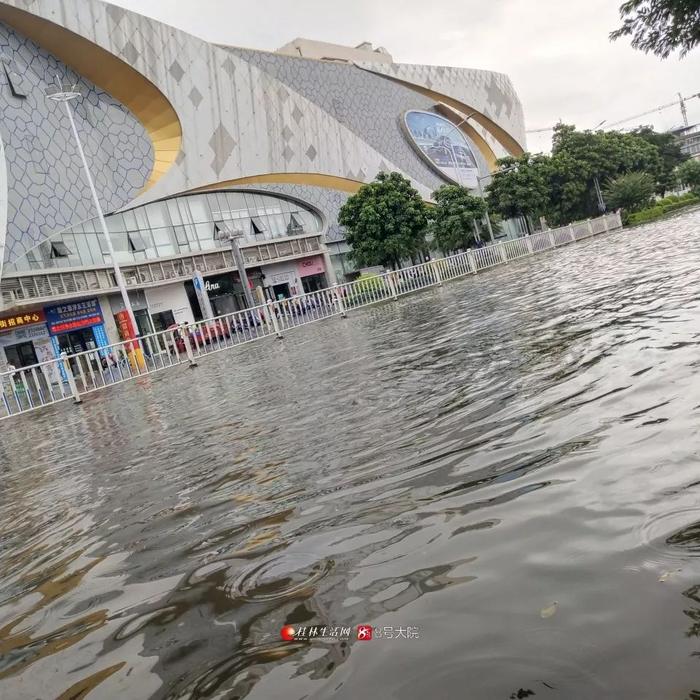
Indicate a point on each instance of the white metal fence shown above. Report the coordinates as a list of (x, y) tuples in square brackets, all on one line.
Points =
[(71, 377)]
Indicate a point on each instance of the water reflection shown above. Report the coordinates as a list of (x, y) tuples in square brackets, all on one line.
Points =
[(454, 462)]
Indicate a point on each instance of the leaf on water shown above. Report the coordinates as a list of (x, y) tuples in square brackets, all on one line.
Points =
[(549, 610), (667, 575)]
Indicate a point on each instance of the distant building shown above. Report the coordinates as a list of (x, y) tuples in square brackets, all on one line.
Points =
[(689, 138)]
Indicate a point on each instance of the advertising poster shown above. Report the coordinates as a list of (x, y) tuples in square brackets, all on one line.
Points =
[(444, 145)]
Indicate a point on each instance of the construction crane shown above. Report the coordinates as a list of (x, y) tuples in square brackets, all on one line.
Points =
[(680, 101)]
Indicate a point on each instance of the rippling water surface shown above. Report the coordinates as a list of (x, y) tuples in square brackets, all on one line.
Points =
[(509, 464)]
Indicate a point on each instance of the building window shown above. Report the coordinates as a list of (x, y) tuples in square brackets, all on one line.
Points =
[(136, 243), (15, 81), (59, 250), (294, 227), (257, 226)]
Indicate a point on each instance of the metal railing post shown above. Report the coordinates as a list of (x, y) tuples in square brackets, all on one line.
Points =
[(392, 285), (605, 223), (339, 301), (188, 346), (502, 250), (571, 233), (470, 262), (528, 243), (590, 227), (71, 378), (552, 240), (274, 319), (436, 271)]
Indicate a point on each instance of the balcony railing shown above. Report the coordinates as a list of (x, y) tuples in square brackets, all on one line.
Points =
[(31, 288)]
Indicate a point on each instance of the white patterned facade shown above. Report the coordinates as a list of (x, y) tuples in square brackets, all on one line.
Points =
[(246, 120)]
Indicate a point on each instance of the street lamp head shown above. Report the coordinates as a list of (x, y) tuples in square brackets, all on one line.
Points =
[(224, 232), (63, 93)]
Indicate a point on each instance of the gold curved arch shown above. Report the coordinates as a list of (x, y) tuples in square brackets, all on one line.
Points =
[(332, 182), (117, 78), (498, 132)]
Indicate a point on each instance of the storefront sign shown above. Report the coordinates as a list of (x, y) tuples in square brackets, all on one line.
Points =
[(23, 334), (202, 292), (65, 318), (283, 278), (311, 266), (125, 326), (19, 320)]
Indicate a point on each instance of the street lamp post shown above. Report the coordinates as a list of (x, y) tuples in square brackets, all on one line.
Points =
[(478, 179), (66, 94), (234, 236), (481, 192)]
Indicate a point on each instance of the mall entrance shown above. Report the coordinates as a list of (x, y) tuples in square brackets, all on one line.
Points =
[(314, 283), (281, 291), (225, 293)]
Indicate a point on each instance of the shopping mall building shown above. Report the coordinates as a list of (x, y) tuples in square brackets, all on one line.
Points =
[(187, 139)]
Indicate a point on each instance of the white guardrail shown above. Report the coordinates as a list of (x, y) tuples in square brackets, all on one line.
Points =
[(71, 377)]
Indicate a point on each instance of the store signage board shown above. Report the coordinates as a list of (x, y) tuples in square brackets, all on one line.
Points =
[(21, 319), (65, 318)]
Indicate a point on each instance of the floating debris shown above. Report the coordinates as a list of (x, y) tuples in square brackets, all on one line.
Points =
[(667, 575), (549, 610)]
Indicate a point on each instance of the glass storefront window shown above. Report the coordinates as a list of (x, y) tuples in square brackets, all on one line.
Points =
[(177, 226), (174, 212), (199, 210)]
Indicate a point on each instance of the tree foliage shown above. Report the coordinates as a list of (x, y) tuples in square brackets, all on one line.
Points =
[(689, 174), (562, 187), (521, 186), (660, 26), (453, 216), (385, 220), (631, 191), (671, 156)]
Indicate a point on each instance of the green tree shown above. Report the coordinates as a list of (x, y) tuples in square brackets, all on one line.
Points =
[(453, 216), (385, 220), (521, 187), (689, 174), (581, 157), (660, 26), (670, 153), (631, 191)]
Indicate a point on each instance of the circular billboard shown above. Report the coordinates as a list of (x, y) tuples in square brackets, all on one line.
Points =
[(444, 146)]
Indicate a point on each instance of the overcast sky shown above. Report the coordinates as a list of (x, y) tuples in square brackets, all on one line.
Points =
[(556, 52)]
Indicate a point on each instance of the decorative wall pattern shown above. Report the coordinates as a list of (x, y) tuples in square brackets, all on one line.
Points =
[(367, 104), (46, 186)]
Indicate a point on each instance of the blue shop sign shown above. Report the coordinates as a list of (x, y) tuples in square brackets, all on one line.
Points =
[(64, 318)]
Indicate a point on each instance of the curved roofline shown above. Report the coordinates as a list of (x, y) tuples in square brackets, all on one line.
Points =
[(117, 78), (498, 132)]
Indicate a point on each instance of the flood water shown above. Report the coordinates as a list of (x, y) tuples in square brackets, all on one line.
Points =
[(508, 466)]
